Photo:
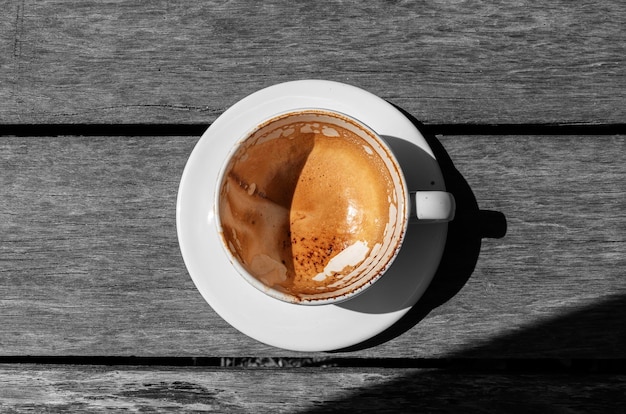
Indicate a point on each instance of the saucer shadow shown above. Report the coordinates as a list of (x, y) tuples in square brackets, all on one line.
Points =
[(462, 246)]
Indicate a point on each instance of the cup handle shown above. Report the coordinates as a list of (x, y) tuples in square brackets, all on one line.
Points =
[(432, 206)]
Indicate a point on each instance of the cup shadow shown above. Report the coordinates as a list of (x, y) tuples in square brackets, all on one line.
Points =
[(462, 246)]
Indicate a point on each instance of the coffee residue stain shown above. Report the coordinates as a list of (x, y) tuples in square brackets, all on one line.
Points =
[(286, 202)]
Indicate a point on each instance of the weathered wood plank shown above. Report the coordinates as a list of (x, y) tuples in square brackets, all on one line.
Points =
[(114, 389), (90, 263), (560, 267), (446, 62)]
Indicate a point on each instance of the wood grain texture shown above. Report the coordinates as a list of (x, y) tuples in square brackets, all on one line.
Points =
[(560, 267), (90, 263), (468, 61), (136, 389)]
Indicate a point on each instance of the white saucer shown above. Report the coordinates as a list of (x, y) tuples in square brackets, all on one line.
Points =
[(299, 327)]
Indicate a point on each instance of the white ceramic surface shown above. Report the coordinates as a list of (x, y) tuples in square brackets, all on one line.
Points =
[(291, 326)]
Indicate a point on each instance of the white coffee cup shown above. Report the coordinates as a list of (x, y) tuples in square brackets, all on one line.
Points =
[(313, 206)]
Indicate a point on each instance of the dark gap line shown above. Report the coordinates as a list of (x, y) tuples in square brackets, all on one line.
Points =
[(41, 130), (92, 130), (525, 129), (111, 360), (495, 365), (463, 365)]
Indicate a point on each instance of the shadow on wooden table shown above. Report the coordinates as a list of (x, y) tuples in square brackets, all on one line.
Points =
[(463, 241), (571, 363)]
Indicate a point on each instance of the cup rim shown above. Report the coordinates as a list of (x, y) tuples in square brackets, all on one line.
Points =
[(275, 293)]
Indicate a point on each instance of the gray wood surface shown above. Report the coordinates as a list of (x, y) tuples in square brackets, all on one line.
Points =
[(444, 61), (55, 389), (91, 264)]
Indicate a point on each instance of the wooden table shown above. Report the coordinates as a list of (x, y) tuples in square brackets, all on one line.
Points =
[(101, 104)]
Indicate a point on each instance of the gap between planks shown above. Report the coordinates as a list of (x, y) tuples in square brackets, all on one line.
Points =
[(478, 365), (24, 130)]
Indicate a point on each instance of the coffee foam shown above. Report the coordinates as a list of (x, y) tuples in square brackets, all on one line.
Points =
[(304, 204)]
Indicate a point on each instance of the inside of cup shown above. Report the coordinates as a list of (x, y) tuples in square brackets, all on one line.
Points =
[(264, 186)]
